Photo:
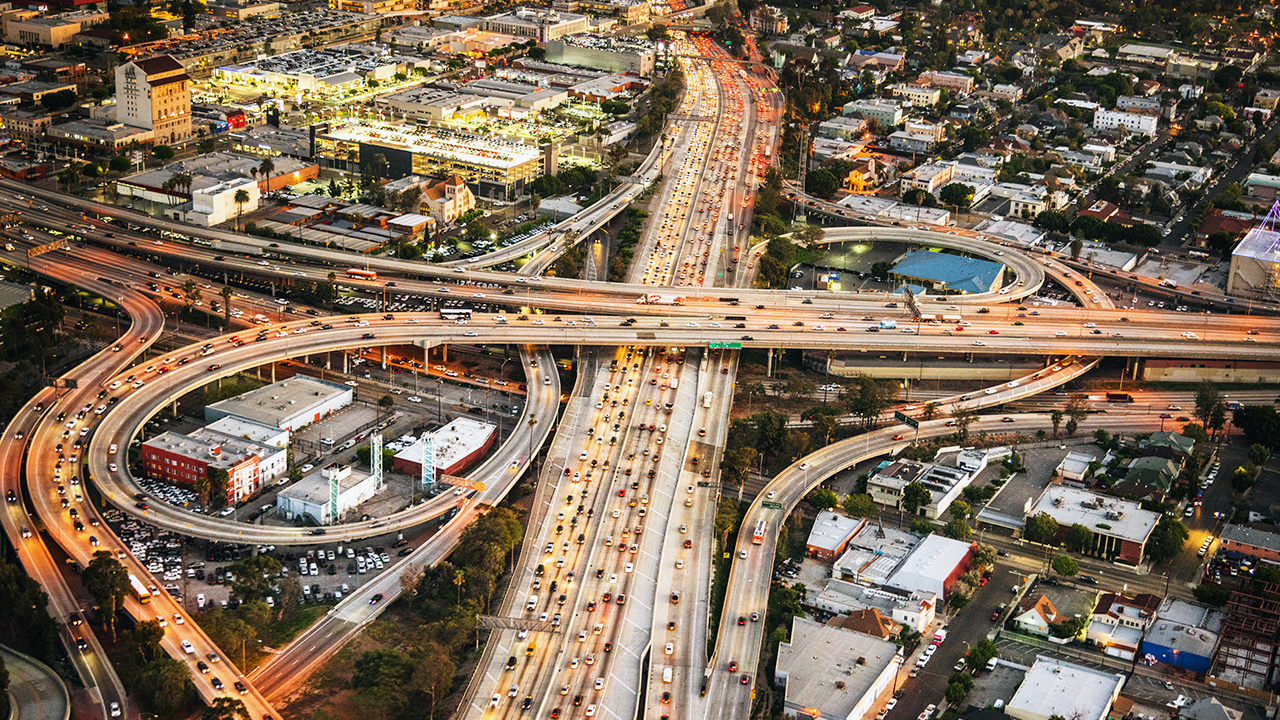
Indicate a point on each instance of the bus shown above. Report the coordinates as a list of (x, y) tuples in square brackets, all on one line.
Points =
[(758, 536), (140, 591), (706, 399), (451, 313), (362, 274)]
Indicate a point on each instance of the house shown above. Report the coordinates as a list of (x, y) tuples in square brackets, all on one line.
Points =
[(1036, 615), (868, 621), (1208, 708), (1172, 445), (1074, 467), (1155, 471), (1118, 623)]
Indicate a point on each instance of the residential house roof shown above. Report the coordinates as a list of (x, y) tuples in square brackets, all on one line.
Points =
[(868, 621), (1152, 470)]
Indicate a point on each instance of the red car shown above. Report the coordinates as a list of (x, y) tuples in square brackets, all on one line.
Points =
[(897, 437), (993, 332), (733, 666), (745, 679), (982, 582)]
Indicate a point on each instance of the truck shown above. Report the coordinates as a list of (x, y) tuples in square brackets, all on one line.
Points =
[(236, 247), (940, 637), (1233, 405), (952, 318), (926, 318), (660, 299), (1119, 397), (887, 324), (666, 675)]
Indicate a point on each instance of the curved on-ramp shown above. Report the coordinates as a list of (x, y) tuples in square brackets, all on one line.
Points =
[(36, 691)]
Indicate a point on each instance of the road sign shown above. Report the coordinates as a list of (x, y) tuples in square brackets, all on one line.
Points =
[(456, 481), (909, 422), (49, 247), (724, 345), (771, 505)]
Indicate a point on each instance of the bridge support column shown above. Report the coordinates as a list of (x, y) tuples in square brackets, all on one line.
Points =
[(346, 360), (175, 408), (273, 372), (384, 357), (769, 369), (328, 361)]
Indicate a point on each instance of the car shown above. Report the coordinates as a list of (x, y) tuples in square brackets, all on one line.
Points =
[(114, 709), (995, 615), (928, 711), (745, 679), (755, 617), (241, 688), (188, 648), (669, 649), (1088, 579), (216, 683), (893, 702), (202, 666), (375, 599), (897, 437), (733, 666)]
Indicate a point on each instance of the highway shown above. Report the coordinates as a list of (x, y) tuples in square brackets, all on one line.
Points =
[(35, 691)]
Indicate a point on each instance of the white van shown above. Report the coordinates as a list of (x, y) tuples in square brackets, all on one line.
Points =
[(533, 602), (991, 664), (666, 675)]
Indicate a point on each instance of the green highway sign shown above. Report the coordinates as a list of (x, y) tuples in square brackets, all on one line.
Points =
[(909, 422), (771, 505), (724, 345)]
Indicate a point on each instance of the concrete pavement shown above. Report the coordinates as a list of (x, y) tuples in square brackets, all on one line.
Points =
[(35, 691)]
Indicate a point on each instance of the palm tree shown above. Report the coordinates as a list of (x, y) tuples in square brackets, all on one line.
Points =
[(1055, 417), (333, 289), (241, 197), (226, 306), (202, 489), (459, 577), (265, 168), (253, 172)]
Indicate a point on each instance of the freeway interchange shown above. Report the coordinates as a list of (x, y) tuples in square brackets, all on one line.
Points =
[(610, 594)]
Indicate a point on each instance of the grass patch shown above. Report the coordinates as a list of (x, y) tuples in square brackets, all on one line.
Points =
[(283, 632), (230, 388)]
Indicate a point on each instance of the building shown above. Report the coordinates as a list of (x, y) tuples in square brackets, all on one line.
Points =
[(495, 167), (769, 20), (33, 91), (933, 566), (917, 137), (1054, 687), (289, 404), (457, 446), (214, 169), (868, 621), (833, 674), (1146, 54), (948, 274), (447, 200), (1208, 708), (1246, 652), (1138, 103), (541, 24), (1266, 98), (1074, 467), (954, 82), (1120, 528), (1183, 646), (1036, 615), (944, 484), (1258, 541), (1119, 622), (1133, 122), (249, 430), (1153, 471), (374, 7), (51, 30), (843, 128), (830, 535), (1255, 263), (155, 94), (310, 499), (217, 204), (929, 177), (26, 126), (916, 95), (885, 114), (1170, 445), (186, 459), (610, 53)]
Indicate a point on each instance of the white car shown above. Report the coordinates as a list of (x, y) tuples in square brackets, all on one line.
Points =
[(115, 709), (670, 649), (188, 648), (415, 399), (112, 450), (112, 467)]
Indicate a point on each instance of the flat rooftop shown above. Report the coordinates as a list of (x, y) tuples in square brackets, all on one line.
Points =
[(929, 564), (199, 444), (474, 150), (1069, 506), (246, 429), (830, 668), (1053, 687), (314, 487), (1260, 244), (875, 552), (453, 442), (274, 404), (14, 294), (831, 528)]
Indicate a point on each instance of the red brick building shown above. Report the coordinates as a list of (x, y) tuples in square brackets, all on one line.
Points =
[(181, 460)]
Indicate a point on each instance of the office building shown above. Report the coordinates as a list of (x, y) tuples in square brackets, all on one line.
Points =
[(1120, 528), (155, 94), (541, 24)]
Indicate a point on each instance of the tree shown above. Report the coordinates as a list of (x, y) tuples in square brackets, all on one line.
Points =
[(1077, 409), (920, 526), (963, 416), (1072, 425), (1259, 423), (164, 685), (254, 577), (957, 195), (957, 529), (1211, 594), (54, 102), (736, 464), (241, 199), (226, 294), (821, 183), (433, 673), (930, 411), (1243, 478), (119, 164), (385, 403), (1210, 409), (958, 687), (981, 652), (859, 505), (1077, 245), (823, 498), (1041, 528), (1259, 454), (914, 497), (381, 679), (163, 152), (1055, 417), (108, 581), (1167, 539), (960, 509), (1079, 538), (1065, 566), (225, 708)]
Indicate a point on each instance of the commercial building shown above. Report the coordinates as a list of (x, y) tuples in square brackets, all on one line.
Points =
[(327, 71), (26, 126), (155, 94), (1258, 541), (840, 597), (541, 24), (611, 53), (1246, 652), (949, 274), (1146, 54), (1183, 646), (1120, 528), (289, 404), (33, 91), (51, 30), (311, 500), (902, 563), (955, 82), (1119, 622), (1074, 467), (249, 430), (944, 484), (457, 446), (216, 204), (933, 566), (374, 7), (927, 96), (214, 169), (1133, 122), (1054, 687), (833, 674), (494, 167), (186, 459), (1255, 263), (1208, 708), (830, 535)]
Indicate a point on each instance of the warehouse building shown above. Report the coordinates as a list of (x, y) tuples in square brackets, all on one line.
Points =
[(458, 445), (830, 535), (834, 674), (289, 404), (1056, 688), (309, 499), (250, 430), (947, 273)]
